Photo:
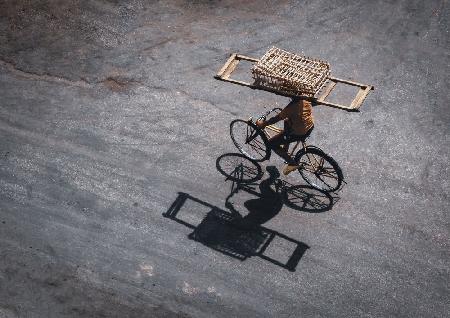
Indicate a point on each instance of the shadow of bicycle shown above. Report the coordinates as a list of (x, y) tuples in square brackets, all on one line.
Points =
[(240, 234), (245, 174)]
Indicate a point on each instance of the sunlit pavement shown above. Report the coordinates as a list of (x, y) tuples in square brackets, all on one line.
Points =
[(113, 200)]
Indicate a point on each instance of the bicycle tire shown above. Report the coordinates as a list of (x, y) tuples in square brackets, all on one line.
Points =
[(323, 168), (249, 140)]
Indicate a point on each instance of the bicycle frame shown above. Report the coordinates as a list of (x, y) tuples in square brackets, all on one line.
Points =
[(278, 130), (275, 130), (309, 159)]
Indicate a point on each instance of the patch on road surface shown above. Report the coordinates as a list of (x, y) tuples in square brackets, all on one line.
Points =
[(145, 269), (6, 313), (188, 289)]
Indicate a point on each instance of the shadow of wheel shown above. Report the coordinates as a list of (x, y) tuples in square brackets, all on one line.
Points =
[(306, 198), (238, 168)]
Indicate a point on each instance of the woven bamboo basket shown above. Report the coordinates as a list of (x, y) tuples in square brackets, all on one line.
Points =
[(290, 73)]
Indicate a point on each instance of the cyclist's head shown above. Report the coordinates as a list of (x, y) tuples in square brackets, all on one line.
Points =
[(296, 99), (273, 172)]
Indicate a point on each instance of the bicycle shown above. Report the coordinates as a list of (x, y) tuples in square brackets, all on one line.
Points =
[(316, 167)]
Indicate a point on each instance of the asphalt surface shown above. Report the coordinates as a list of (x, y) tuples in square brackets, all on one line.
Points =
[(113, 202)]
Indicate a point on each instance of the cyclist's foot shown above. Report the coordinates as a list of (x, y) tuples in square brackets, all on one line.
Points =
[(289, 168)]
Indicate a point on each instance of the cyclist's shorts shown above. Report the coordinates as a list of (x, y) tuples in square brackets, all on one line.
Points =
[(287, 138)]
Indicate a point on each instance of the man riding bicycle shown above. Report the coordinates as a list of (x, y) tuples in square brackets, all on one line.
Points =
[(298, 124)]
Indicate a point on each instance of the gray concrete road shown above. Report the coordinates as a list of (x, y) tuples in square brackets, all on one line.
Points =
[(111, 124)]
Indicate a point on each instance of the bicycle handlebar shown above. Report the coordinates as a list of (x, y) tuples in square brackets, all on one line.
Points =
[(263, 116)]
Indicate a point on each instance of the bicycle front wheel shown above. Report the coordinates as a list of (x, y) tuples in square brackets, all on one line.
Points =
[(249, 140), (319, 170)]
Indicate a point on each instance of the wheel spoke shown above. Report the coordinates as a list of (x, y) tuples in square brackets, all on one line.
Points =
[(321, 162), (329, 186), (249, 140), (315, 159), (258, 150), (252, 137), (301, 196), (258, 142), (316, 203), (319, 171), (329, 175), (306, 200), (307, 168), (259, 145)]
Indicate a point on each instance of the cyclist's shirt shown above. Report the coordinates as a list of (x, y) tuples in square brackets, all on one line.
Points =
[(299, 115)]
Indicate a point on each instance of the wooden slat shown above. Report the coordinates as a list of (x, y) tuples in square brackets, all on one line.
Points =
[(362, 94), (236, 82), (357, 97), (246, 58), (226, 65), (271, 90), (327, 91), (231, 68), (335, 79), (347, 108), (367, 91)]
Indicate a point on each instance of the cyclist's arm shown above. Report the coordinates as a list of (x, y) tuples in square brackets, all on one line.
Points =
[(261, 124), (284, 114)]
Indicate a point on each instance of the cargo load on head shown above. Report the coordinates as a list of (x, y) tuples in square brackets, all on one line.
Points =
[(291, 75)]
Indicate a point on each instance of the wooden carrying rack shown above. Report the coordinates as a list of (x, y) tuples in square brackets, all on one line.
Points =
[(290, 75)]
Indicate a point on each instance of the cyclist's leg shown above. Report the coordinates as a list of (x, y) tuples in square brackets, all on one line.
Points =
[(279, 144)]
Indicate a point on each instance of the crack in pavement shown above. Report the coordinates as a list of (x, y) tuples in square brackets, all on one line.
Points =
[(115, 83), (194, 99), (44, 76)]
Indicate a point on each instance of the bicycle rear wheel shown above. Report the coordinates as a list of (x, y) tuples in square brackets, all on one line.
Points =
[(249, 140), (319, 170)]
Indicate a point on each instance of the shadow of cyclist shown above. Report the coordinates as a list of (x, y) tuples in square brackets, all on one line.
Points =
[(267, 205)]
